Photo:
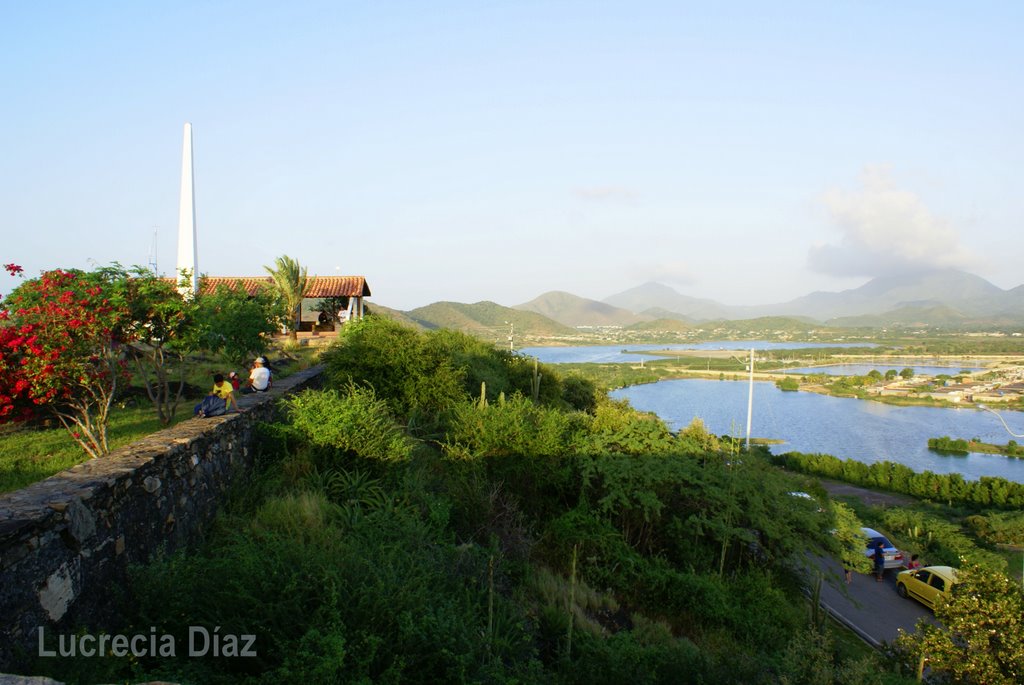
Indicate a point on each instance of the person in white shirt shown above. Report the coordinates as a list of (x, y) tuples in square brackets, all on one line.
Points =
[(259, 377)]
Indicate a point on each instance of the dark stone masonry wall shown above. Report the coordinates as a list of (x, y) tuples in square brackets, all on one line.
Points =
[(66, 542)]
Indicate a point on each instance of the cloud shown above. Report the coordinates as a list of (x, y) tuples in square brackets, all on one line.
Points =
[(885, 230), (606, 194)]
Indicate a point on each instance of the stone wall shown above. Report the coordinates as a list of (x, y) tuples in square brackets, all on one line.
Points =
[(66, 542)]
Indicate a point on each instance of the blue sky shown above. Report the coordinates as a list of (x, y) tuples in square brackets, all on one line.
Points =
[(747, 152)]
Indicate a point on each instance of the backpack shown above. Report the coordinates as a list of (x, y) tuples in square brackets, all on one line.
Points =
[(211, 406)]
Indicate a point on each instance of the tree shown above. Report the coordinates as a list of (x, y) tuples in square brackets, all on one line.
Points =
[(231, 322), (291, 282), (849, 539), (890, 374), (70, 328), (981, 640), (161, 323), (907, 373)]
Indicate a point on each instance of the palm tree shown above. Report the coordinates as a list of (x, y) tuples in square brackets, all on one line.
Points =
[(291, 283)]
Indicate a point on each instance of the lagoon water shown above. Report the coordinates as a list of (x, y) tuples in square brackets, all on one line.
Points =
[(618, 353), (808, 422), (845, 427)]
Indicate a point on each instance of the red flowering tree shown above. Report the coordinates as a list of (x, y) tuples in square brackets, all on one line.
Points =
[(63, 334), (15, 403)]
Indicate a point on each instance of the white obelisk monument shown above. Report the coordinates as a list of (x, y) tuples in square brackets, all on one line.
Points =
[(188, 250)]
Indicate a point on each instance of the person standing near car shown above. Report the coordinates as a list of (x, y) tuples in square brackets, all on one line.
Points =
[(879, 558)]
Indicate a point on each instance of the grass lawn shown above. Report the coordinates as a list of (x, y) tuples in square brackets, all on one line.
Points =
[(1014, 556), (28, 455)]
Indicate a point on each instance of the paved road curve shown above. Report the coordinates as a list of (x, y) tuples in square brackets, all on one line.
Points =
[(871, 609)]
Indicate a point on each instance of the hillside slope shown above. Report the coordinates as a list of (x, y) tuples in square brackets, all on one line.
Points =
[(486, 320)]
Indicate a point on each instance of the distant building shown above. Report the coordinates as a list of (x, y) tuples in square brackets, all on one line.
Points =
[(990, 396), (954, 395)]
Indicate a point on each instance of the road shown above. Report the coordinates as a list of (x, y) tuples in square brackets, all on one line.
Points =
[(871, 609)]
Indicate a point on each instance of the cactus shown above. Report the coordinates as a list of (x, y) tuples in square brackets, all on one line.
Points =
[(819, 616), (535, 383), (572, 601), (490, 603)]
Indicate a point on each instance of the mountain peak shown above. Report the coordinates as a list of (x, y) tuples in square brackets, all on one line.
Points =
[(572, 310), (660, 297)]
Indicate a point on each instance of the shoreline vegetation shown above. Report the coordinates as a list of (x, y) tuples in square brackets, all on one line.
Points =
[(949, 445)]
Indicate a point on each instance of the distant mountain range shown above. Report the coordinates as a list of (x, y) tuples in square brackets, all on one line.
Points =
[(944, 297)]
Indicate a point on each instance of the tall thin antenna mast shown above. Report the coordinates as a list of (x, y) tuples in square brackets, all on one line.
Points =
[(750, 397), (152, 254)]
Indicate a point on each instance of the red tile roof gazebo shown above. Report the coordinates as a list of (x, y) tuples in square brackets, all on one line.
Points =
[(353, 287)]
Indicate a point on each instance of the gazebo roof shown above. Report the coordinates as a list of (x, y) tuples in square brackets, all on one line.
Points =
[(319, 286)]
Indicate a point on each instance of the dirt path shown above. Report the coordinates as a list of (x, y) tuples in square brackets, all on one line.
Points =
[(869, 497)]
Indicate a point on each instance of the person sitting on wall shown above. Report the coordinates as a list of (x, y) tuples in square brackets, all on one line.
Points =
[(259, 377), (219, 401)]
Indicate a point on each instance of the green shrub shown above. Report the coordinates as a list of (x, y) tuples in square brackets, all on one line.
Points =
[(617, 427), (477, 361), (938, 541), (352, 421), (579, 393), (303, 516), (514, 427), (414, 379), (788, 384), (635, 656), (1005, 527), (382, 600), (609, 561), (696, 438)]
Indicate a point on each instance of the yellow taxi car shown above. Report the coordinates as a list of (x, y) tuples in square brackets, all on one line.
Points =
[(926, 584)]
